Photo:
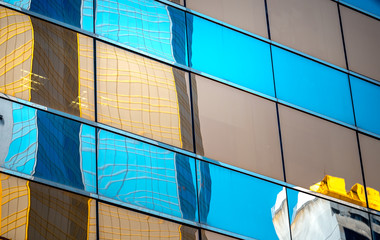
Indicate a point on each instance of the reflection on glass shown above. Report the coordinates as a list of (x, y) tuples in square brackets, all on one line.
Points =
[(143, 96), (375, 224), (147, 176), (46, 64), (207, 235), (371, 6), (240, 203), (34, 211), (78, 13), (366, 97), (243, 132), (313, 86), (316, 218), (118, 223), (230, 55), (47, 146), (146, 25)]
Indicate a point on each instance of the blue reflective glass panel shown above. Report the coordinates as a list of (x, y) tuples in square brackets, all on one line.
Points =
[(146, 176), (370, 6), (311, 85), (241, 204), (47, 146), (316, 218), (146, 25), (78, 13), (366, 98), (229, 55)]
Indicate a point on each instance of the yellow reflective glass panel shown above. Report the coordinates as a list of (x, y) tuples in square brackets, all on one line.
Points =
[(46, 64), (118, 223), (143, 96)]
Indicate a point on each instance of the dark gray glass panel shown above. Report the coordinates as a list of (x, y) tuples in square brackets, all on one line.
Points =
[(78, 13), (146, 176), (241, 204), (366, 97), (311, 85), (315, 218), (47, 146), (375, 224), (229, 55), (147, 25), (370, 6)]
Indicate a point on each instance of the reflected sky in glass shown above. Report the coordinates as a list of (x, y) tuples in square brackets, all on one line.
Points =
[(371, 6), (366, 97), (230, 55), (47, 146), (146, 25), (311, 85), (316, 218), (239, 203), (147, 176), (78, 13)]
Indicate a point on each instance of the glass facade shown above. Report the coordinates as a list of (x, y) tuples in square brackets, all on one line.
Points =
[(188, 119)]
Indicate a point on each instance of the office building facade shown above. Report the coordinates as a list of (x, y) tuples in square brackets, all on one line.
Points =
[(189, 119)]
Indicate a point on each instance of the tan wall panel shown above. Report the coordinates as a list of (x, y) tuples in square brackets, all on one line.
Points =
[(362, 38), (309, 26), (248, 15), (314, 148), (370, 150), (236, 128)]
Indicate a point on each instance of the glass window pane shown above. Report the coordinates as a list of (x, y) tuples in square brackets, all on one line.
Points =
[(371, 6), (375, 223), (46, 64), (362, 37), (316, 218), (30, 210), (207, 235), (78, 13), (236, 127), (143, 96), (146, 176), (370, 151), (229, 55), (118, 223), (313, 86), (47, 146), (320, 155), (148, 25), (366, 97), (308, 26), (248, 15), (240, 203)]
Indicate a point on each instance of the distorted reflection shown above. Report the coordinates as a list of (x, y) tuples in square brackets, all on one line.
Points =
[(240, 203), (46, 64), (145, 175), (29, 210), (47, 146), (375, 225), (146, 25), (78, 13), (118, 223), (230, 55), (315, 218), (143, 96)]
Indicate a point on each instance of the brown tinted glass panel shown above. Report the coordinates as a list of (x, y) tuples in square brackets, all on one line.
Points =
[(46, 64), (118, 223), (362, 37), (181, 2), (370, 151), (143, 96), (207, 235), (309, 26), (35, 211), (321, 156), (236, 127), (248, 15)]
